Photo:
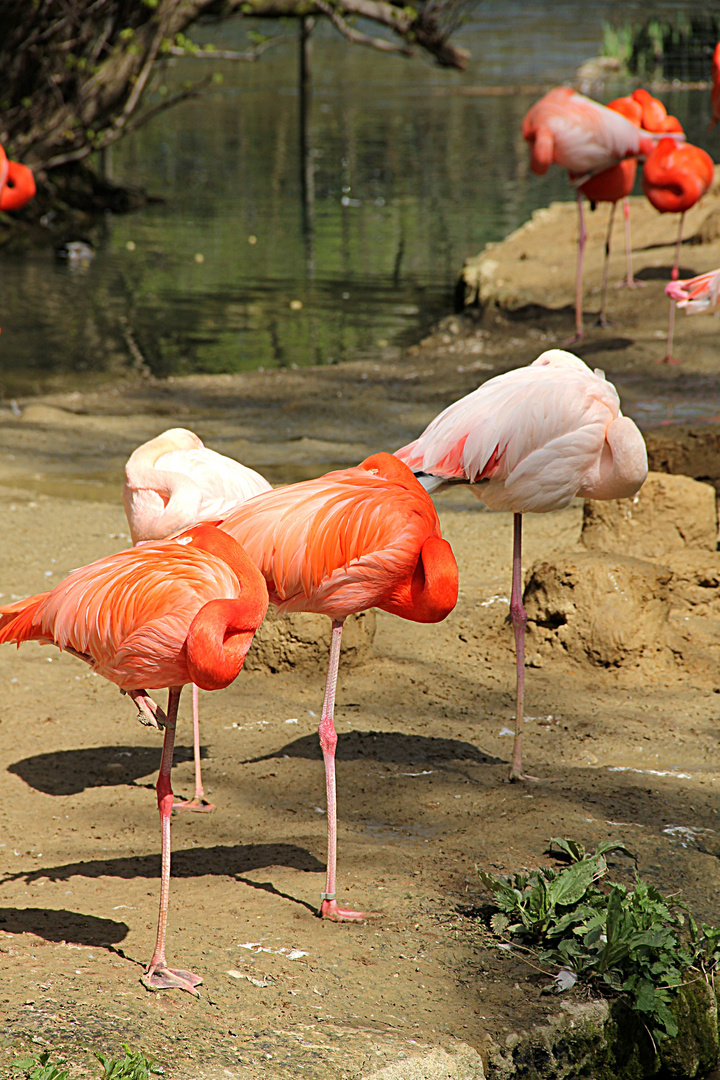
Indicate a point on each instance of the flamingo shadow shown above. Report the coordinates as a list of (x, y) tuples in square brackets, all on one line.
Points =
[(61, 926), (68, 772), (221, 860), (387, 746)]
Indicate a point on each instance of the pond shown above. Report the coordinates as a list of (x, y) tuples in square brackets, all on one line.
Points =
[(230, 267)]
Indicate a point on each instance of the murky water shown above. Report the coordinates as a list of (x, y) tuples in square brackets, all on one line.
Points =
[(413, 171)]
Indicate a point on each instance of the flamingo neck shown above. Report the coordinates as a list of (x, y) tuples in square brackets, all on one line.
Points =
[(430, 593)]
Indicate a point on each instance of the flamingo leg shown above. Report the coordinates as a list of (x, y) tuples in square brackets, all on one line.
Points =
[(158, 975), (579, 332), (668, 358), (519, 621), (328, 742), (628, 280), (198, 802), (602, 320)]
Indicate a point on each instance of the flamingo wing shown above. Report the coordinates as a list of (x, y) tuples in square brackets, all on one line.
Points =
[(337, 544), (223, 482), (129, 613), (530, 437)]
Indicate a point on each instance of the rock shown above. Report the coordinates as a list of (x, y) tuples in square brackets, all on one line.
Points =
[(302, 640), (463, 1064), (607, 1041), (693, 451), (610, 609), (667, 515)]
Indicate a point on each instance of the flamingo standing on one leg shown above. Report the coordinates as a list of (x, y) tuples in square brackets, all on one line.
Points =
[(701, 293), (530, 441), (17, 183), (165, 614), (171, 482), (363, 537), (674, 179), (569, 129)]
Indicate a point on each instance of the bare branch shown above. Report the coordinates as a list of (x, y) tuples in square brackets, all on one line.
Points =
[(354, 35)]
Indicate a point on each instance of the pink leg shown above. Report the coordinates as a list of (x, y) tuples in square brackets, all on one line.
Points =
[(198, 801), (668, 358), (579, 332), (519, 620), (158, 975), (602, 321), (328, 742), (628, 280)]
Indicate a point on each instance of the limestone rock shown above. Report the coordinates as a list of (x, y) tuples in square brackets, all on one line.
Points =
[(463, 1064), (610, 609), (302, 640), (667, 515)]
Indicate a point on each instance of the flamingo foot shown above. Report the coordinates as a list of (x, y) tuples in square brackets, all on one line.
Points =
[(577, 336), (330, 910), (630, 283), (165, 978), (517, 775), (667, 359), (602, 321), (197, 803)]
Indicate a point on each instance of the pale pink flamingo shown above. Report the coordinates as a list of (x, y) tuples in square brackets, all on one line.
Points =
[(568, 129), (530, 441), (172, 482), (674, 179), (697, 294), (362, 537), (164, 614)]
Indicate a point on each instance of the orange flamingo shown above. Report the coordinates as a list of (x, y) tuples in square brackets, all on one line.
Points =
[(674, 179), (165, 614), (569, 129), (530, 441), (172, 482), (363, 537), (17, 183)]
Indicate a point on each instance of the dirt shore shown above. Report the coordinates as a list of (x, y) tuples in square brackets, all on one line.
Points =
[(631, 748)]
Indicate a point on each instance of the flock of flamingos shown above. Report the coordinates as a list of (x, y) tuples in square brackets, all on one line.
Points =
[(214, 543)]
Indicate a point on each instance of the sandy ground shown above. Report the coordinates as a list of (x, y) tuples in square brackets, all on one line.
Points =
[(627, 746)]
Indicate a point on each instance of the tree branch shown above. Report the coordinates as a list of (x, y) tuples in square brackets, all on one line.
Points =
[(355, 35)]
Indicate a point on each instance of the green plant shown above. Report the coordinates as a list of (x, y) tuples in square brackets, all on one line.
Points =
[(40, 1068), (631, 942), (135, 1066)]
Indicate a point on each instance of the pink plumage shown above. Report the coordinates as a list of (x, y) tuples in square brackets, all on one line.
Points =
[(697, 294), (174, 481), (356, 538), (165, 614), (530, 441)]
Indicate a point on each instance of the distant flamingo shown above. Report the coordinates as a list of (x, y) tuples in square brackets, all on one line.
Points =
[(165, 614), (715, 92), (586, 138), (611, 185), (171, 482), (701, 293), (363, 537), (674, 179), (17, 183), (530, 441)]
